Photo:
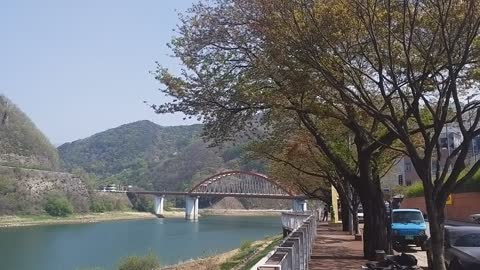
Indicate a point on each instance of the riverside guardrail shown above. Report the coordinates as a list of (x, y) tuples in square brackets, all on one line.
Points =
[(294, 251)]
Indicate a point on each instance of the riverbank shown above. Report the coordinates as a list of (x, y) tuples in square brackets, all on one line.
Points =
[(242, 258), (21, 221)]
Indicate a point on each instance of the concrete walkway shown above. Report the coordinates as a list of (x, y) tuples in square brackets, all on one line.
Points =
[(334, 250)]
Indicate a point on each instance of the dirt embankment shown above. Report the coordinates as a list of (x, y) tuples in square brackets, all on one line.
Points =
[(20, 221)]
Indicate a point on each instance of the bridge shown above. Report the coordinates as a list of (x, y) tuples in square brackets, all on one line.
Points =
[(229, 184)]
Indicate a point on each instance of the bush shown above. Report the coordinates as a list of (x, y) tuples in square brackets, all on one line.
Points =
[(472, 184), (148, 262), (108, 202), (246, 245), (415, 190), (58, 206)]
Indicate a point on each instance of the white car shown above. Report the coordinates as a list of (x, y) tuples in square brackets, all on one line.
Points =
[(475, 218)]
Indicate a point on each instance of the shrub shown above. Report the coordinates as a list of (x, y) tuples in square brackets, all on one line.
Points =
[(415, 190), (472, 184), (108, 202), (246, 245), (58, 206), (148, 262)]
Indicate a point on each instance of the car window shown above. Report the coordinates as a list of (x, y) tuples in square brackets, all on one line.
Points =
[(468, 240), (407, 217)]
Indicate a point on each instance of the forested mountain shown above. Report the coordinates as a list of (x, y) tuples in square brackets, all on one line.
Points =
[(150, 156), (21, 143)]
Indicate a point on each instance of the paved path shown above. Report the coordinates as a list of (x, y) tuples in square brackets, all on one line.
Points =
[(335, 250)]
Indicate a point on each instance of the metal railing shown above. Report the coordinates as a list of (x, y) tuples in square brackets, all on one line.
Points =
[(294, 251), (293, 220)]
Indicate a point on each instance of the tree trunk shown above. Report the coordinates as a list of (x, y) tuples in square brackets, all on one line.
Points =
[(436, 220), (375, 229), (355, 219), (345, 215)]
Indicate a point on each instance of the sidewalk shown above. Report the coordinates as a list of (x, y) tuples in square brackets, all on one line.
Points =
[(335, 250)]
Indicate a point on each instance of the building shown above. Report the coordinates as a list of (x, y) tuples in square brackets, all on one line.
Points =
[(403, 173)]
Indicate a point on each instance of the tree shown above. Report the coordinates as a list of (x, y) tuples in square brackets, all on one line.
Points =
[(410, 65), (295, 161), (240, 75)]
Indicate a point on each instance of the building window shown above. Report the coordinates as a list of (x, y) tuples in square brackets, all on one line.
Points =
[(409, 183), (408, 166), (400, 180)]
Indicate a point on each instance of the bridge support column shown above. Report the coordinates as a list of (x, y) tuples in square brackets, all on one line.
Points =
[(299, 205), (191, 208), (158, 206)]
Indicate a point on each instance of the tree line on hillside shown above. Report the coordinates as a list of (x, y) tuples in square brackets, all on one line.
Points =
[(148, 156), (358, 83)]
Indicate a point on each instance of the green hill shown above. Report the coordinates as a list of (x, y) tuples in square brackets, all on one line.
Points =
[(28, 167), (150, 156), (21, 143)]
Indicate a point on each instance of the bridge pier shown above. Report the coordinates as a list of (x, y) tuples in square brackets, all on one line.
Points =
[(191, 208), (158, 206), (299, 205)]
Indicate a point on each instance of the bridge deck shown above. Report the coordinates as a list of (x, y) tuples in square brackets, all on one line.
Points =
[(217, 194)]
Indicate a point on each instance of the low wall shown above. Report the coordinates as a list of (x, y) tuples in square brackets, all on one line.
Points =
[(463, 205)]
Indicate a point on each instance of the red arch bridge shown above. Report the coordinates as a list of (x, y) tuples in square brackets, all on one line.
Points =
[(229, 184)]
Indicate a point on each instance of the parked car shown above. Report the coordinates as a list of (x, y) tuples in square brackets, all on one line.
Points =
[(475, 218), (462, 248), (408, 227), (360, 215)]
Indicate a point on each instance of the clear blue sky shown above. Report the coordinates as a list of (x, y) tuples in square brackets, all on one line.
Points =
[(80, 67)]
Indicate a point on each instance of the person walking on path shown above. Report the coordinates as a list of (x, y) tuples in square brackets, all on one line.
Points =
[(325, 214)]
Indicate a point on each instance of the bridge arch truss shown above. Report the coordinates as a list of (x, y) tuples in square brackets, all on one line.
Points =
[(244, 184)]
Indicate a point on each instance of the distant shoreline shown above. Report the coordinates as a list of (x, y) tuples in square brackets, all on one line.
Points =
[(24, 221)]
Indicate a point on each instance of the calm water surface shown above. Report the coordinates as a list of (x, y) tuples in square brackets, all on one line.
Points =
[(65, 247)]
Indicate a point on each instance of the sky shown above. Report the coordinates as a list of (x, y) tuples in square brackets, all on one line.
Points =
[(80, 67)]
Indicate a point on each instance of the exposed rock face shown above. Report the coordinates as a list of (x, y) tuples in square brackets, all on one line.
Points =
[(25, 190)]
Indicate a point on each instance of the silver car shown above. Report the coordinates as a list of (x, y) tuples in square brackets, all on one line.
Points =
[(462, 248)]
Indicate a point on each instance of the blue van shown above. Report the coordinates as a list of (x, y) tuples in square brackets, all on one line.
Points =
[(408, 227)]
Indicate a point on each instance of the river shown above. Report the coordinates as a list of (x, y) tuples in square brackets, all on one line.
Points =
[(84, 246)]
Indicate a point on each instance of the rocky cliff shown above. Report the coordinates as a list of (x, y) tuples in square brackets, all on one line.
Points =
[(25, 190)]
